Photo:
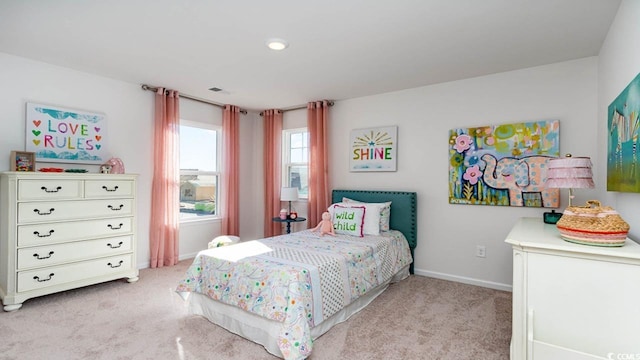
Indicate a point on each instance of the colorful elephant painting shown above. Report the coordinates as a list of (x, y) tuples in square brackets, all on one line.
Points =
[(520, 176), (503, 165)]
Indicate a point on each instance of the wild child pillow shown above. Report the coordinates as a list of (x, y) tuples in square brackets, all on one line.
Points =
[(348, 220)]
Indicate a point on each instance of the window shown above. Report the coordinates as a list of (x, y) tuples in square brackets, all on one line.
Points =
[(199, 170), (295, 160)]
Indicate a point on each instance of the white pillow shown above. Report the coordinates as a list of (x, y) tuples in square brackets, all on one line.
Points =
[(382, 215), (348, 219)]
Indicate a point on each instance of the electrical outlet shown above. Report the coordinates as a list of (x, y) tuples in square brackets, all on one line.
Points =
[(481, 251)]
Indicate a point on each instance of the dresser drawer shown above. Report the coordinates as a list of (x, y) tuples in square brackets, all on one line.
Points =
[(38, 212), (56, 232), (108, 188), (49, 189), (55, 254), (56, 275)]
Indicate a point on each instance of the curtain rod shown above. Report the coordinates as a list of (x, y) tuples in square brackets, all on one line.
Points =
[(153, 88), (331, 102)]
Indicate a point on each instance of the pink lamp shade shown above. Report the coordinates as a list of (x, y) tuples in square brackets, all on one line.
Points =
[(570, 172)]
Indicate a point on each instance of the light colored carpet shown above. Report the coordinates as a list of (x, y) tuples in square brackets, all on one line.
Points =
[(419, 318)]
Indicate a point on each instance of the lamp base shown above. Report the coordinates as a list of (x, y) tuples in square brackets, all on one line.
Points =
[(551, 217)]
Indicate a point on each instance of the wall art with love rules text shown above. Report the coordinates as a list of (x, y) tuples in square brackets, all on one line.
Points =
[(57, 134)]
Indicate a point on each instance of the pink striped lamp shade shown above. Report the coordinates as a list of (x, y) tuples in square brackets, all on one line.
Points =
[(570, 172)]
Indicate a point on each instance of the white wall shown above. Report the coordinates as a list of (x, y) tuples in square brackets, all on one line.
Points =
[(619, 63), (129, 112), (252, 215), (448, 234), (128, 109)]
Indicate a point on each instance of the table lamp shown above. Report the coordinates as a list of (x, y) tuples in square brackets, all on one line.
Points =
[(289, 194), (569, 173)]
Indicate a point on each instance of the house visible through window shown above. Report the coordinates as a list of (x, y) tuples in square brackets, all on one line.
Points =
[(199, 170), (295, 160)]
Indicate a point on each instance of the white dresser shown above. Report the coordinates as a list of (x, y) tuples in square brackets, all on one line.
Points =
[(573, 301), (60, 231)]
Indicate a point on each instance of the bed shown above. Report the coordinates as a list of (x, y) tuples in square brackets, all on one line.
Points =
[(285, 291)]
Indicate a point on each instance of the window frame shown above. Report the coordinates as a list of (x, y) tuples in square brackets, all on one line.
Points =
[(286, 157), (217, 173)]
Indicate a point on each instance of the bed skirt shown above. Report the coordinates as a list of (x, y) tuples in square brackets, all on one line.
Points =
[(264, 331)]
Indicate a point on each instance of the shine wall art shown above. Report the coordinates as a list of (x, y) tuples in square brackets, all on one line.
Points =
[(622, 151), (373, 149), (503, 165), (63, 135)]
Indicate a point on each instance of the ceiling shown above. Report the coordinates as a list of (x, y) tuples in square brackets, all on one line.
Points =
[(339, 49)]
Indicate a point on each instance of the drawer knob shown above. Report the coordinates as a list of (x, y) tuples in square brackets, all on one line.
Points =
[(43, 257), (116, 208), (115, 228), (115, 266), (58, 188), (116, 246), (37, 233), (42, 212), (37, 278), (110, 190)]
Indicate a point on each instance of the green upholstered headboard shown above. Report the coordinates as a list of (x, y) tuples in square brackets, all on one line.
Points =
[(404, 208)]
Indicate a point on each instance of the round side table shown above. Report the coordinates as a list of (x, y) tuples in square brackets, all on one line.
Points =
[(288, 221)]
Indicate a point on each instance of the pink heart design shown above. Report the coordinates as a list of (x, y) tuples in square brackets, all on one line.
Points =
[(37, 122)]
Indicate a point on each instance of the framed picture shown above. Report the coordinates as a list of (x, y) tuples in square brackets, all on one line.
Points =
[(23, 161), (63, 135), (623, 121), (374, 149), (503, 165)]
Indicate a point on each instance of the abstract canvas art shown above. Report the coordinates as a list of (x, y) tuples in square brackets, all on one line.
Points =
[(503, 165), (57, 134), (622, 151)]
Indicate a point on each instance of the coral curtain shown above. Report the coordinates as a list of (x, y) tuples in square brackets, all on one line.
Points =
[(319, 191), (165, 190), (272, 170), (230, 198)]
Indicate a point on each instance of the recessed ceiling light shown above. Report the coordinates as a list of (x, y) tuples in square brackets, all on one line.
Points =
[(277, 44)]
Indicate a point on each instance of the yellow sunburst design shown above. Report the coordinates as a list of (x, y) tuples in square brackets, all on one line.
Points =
[(371, 139)]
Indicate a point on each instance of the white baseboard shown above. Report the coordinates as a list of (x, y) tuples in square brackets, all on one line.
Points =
[(187, 256), (433, 274), (464, 280), (146, 264)]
